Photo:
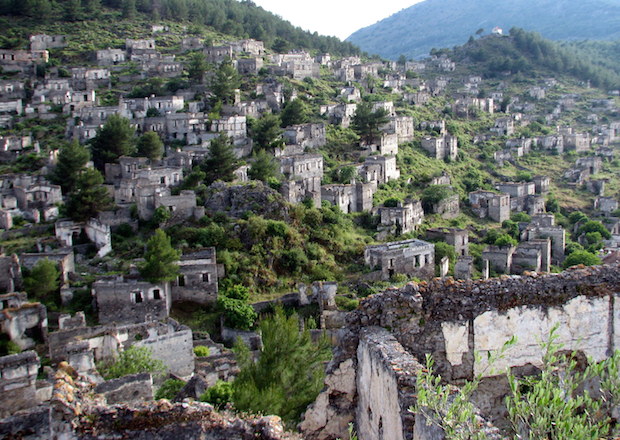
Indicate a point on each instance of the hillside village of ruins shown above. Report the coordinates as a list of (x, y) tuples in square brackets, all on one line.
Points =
[(452, 309)]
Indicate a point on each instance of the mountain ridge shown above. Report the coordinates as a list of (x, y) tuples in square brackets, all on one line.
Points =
[(414, 31)]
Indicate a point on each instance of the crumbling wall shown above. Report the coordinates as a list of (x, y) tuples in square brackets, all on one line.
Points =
[(452, 320), (18, 375)]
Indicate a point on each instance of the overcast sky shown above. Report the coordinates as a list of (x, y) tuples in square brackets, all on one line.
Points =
[(339, 18)]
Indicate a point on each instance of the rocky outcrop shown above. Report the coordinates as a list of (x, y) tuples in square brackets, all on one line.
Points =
[(239, 200)]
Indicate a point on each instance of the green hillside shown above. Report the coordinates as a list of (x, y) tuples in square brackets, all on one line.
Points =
[(445, 23)]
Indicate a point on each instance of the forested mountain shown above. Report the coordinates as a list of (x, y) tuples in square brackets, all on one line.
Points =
[(446, 23), (529, 54), (241, 19)]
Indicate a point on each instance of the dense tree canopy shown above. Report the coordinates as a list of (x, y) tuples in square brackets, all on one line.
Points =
[(89, 196), (72, 159), (113, 140), (160, 259)]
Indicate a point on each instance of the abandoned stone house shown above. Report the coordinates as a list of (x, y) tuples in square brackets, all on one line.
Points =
[(385, 144), (354, 197), (490, 204), (579, 142), (379, 169), (303, 174), (234, 127), (542, 184), (64, 259), (110, 57), (499, 258), (444, 147), (402, 126), (22, 322), (306, 135), (448, 207), (417, 98), (438, 127), (12, 147), (82, 346), (162, 104), (181, 206), (523, 197), (128, 301), (504, 127), (198, 278), (350, 94), (249, 66), (607, 205), (415, 258), (10, 274), (142, 44), (248, 46), (43, 42), (18, 388), (593, 164), (400, 219), (192, 43), (36, 197), (543, 230), (339, 114), (464, 106), (22, 60), (69, 232), (527, 249), (83, 78), (11, 89), (552, 142), (459, 238)]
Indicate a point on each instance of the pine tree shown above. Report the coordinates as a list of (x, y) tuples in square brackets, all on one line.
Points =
[(129, 9), (43, 279), (287, 376), (197, 67), (161, 259), (150, 145), (366, 122), (72, 160), (113, 140), (266, 132), (225, 82), (221, 162), (264, 167), (295, 112), (89, 196)]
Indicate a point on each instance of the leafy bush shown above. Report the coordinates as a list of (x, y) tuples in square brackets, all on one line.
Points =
[(237, 314), (202, 351), (219, 394), (346, 303), (132, 361), (505, 240), (169, 389), (581, 257)]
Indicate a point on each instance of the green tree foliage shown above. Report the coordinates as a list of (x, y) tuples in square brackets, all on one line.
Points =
[(89, 196), (133, 360), (219, 394), (150, 145), (72, 160), (169, 389), (294, 112), (435, 194), (233, 303), (264, 167), (289, 373), (196, 67), (576, 217), (443, 249), (113, 140), (128, 8), (42, 280), (225, 82), (505, 240), (594, 226), (161, 259), (222, 162), (581, 257), (366, 122), (266, 132)]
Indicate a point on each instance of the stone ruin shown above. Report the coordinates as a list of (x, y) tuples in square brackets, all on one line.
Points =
[(371, 379)]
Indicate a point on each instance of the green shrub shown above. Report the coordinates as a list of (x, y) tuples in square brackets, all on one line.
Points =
[(581, 257), (346, 303), (237, 314), (202, 351), (169, 389), (132, 361), (219, 394)]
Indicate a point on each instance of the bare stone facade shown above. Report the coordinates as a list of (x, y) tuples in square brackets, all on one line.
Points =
[(490, 204), (414, 258), (354, 197), (121, 300), (401, 219), (198, 278), (303, 174), (443, 147)]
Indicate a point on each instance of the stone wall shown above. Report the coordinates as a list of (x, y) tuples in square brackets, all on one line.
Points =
[(18, 375), (452, 320)]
